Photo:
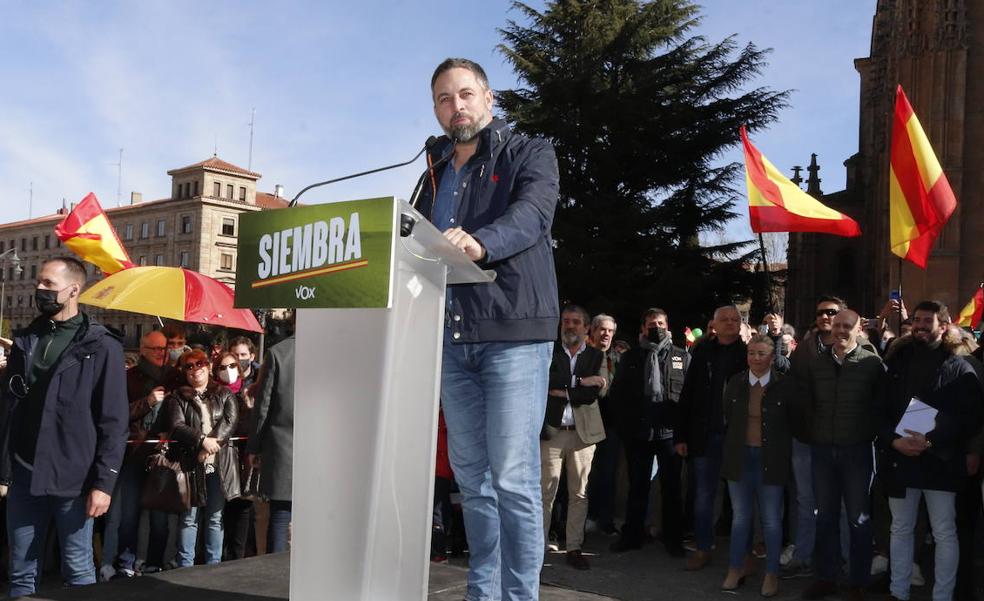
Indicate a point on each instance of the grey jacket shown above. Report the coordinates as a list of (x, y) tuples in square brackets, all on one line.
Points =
[(272, 431)]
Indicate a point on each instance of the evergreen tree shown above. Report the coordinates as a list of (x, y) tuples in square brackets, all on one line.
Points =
[(638, 108)]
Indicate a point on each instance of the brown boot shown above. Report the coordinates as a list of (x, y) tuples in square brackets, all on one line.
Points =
[(698, 560), (733, 580), (770, 585)]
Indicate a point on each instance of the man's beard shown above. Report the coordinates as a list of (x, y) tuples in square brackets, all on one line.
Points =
[(570, 338), (464, 133)]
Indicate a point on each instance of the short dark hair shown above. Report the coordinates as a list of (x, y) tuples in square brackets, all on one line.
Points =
[(585, 316), (933, 306), (830, 298), (461, 63), (238, 340), (74, 267), (653, 312), (174, 330)]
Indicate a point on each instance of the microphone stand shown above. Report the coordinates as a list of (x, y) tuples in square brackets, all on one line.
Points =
[(427, 145)]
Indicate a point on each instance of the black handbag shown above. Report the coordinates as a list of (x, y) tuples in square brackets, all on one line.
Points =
[(167, 487)]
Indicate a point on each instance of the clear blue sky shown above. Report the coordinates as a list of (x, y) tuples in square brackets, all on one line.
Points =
[(337, 87)]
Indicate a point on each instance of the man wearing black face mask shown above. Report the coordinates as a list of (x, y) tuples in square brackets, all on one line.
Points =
[(644, 398), (64, 423)]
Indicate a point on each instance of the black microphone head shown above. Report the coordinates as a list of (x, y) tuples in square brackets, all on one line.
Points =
[(431, 141)]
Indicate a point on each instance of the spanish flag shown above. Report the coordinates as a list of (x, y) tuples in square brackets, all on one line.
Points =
[(970, 316), (776, 204), (89, 234), (920, 199)]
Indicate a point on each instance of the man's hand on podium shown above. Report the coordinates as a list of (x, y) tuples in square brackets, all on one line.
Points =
[(464, 241)]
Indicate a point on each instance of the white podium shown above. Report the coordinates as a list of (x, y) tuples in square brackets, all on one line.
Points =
[(367, 387)]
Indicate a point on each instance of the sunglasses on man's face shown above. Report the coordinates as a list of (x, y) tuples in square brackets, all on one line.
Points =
[(827, 312), (194, 365)]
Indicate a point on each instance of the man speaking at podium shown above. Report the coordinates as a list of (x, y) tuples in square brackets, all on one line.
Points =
[(494, 199)]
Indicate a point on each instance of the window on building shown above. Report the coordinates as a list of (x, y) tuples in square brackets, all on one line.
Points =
[(159, 260), (160, 227), (139, 329), (185, 259), (230, 189), (30, 300), (34, 243), (128, 235), (23, 245), (242, 193), (10, 273), (47, 241), (20, 300), (186, 224), (34, 272), (10, 300), (2, 244), (226, 261), (196, 188), (142, 261), (217, 190), (123, 329), (145, 230), (228, 226), (23, 273)]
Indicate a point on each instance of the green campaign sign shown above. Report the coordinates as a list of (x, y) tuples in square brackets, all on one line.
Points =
[(329, 255)]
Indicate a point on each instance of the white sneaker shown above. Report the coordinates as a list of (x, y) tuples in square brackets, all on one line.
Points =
[(879, 565), (917, 576), (106, 572), (787, 555)]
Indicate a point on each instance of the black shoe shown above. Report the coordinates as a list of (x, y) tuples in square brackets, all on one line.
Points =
[(819, 589), (577, 561), (625, 544)]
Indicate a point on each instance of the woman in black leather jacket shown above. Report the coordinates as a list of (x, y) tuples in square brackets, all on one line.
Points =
[(202, 416)]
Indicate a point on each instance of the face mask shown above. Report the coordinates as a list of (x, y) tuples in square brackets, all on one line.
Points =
[(47, 301), (656, 334), (245, 364), (174, 353), (229, 375)]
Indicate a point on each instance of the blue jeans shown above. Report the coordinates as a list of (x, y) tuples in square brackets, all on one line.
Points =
[(28, 517), (806, 505), (277, 531), (743, 495), (943, 518), (843, 473), (123, 521), (212, 515), (494, 396), (707, 470)]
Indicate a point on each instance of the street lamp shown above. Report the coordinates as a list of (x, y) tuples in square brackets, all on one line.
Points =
[(15, 260)]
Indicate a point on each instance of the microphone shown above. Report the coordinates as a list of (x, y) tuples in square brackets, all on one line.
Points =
[(431, 141), (430, 168)]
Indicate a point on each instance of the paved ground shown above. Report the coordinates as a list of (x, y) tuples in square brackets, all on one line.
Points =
[(642, 575)]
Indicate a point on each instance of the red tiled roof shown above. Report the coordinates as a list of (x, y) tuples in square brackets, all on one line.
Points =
[(269, 201), (217, 164)]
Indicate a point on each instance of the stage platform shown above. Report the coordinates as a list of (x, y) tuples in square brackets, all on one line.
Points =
[(263, 578)]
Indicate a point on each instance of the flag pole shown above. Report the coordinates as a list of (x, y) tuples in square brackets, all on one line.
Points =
[(899, 329), (768, 276)]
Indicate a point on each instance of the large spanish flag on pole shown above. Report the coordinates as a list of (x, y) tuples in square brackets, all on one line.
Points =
[(920, 198), (776, 204), (89, 234), (970, 315)]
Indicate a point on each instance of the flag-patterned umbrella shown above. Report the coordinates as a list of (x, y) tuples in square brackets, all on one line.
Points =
[(171, 292)]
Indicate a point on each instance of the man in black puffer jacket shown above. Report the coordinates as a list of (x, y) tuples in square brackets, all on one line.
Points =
[(928, 464)]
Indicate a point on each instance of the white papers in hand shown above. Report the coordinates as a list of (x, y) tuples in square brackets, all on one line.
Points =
[(918, 417)]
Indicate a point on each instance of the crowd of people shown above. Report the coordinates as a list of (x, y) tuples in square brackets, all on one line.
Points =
[(82, 424), (815, 434)]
